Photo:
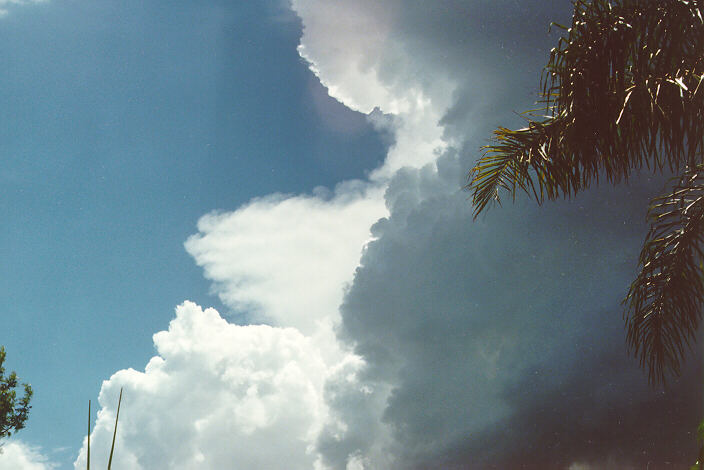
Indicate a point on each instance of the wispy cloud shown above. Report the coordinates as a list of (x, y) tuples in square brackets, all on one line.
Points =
[(7, 5), (17, 455), (285, 259)]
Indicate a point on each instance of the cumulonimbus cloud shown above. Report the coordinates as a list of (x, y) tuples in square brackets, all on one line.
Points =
[(475, 344), (216, 395), (479, 329)]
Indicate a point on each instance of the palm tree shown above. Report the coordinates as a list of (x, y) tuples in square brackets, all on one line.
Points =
[(623, 91)]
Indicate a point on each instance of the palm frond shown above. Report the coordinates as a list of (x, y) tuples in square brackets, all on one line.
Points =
[(530, 159), (620, 91), (664, 303), (502, 167)]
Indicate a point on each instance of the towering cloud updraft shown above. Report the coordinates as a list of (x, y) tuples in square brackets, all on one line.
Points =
[(494, 343)]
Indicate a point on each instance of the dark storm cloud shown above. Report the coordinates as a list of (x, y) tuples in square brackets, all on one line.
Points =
[(502, 340), (494, 50), (496, 343)]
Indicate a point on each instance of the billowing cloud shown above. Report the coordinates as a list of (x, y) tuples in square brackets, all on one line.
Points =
[(491, 343), (495, 343), (501, 341), (217, 395), (220, 395), (353, 49), (17, 455)]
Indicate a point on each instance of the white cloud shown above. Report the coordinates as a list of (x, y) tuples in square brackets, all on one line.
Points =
[(342, 43), (17, 455), (286, 259), (356, 53), (217, 395)]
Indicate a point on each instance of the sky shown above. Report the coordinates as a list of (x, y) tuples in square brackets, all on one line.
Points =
[(250, 217)]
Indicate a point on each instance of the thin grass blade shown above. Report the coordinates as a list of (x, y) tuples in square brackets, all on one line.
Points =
[(88, 460), (114, 433)]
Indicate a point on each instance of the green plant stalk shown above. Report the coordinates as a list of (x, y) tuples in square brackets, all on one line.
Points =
[(114, 434), (88, 461)]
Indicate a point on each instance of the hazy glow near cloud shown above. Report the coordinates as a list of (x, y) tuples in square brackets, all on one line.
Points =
[(17, 455), (285, 259), (5, 5), (356, 54)]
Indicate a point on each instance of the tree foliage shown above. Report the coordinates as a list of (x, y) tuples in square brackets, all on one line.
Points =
[(622, 91), (14, 411)]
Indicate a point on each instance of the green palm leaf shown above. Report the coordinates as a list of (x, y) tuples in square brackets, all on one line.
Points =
[(621, 91)]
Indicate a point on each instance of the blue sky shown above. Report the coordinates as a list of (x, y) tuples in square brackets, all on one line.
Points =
[(250, 217), (125, 122)]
